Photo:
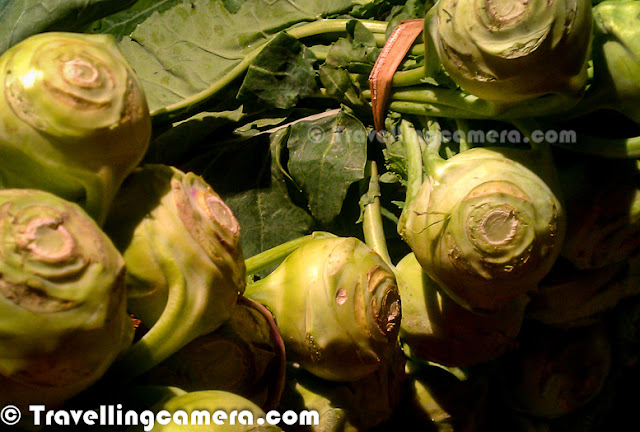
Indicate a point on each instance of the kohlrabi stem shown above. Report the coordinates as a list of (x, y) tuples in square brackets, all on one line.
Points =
[(428, 109), (408, 77), (541, 153), (529, 127), (315, 28), (269, 258), (463, 127), (167, 335), (325, 26), (412, 146), (431, 159), (429, 100), (614, 148), (430, 94), (372, 218)]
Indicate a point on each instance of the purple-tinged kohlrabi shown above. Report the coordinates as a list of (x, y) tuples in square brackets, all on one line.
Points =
[(185, 267), (75, 120), (63, 317)]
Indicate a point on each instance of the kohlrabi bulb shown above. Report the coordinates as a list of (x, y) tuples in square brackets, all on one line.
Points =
[(185, 267), (73, 119), (337, 306), (63, 316), (511, 50), (485, 227)]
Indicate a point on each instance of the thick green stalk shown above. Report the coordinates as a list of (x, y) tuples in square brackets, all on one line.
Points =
[(614, 148), (445, 102), (167, 335), (463, 127), (415, 176), (265, 260), (408, 77), (372, 218)]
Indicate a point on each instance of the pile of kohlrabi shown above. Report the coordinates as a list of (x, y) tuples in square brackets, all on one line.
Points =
[(419, 215)]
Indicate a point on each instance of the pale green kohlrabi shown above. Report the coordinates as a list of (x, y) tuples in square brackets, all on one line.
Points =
[(512, 50), (616, 58), (337, 306), (486, 224), (63, 317), (185, 267), (208, 410), (73, 119), (435, 328)]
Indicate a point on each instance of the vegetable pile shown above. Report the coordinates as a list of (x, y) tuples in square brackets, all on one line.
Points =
[(416, 214)]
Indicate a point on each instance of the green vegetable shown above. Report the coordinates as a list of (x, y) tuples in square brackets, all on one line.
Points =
[(63, 317), (75, 120), (616, 58), (203, 405), (337, 306), (185, 267), (245, 356), (437, 329), (485, 224), (508, 51)]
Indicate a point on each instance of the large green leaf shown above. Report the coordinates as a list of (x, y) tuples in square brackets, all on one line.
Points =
[(188, 48), (123, 23), (20, 19), (266, 213), (326, 156)]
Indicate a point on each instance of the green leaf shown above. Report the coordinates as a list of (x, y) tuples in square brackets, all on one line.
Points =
[(326, 156), (184, 50), (352, 55), (340, 86), (20, 19), (124, 22), (266, 213), (183, 140), (360, 33), (281, 74)]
